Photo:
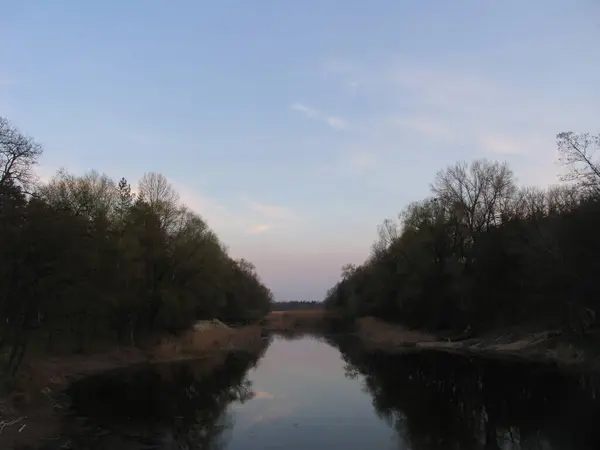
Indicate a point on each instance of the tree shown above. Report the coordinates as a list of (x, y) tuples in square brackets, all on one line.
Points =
[(482, 253), (85, 262), (155, 190), (387, 232), (477, 193), (19, 155), (92, 195), (348, 270), (125, 199), (578, 153)]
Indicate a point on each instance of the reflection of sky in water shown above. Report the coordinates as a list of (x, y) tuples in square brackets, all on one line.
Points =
[(304, 401)]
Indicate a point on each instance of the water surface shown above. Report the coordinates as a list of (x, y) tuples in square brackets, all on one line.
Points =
[(326, 393)]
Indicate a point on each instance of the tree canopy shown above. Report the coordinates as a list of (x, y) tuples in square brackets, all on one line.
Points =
[(85, 259), (483, 252)]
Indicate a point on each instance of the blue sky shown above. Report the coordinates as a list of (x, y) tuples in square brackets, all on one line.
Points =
[(295, 127)]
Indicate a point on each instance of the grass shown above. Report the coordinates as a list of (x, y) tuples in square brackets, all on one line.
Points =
[(202, 343)]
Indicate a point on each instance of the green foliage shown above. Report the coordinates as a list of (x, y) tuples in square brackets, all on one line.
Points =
[(84, 259), (483, 253)]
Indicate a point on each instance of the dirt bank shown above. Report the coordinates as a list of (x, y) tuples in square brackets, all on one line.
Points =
[(30, 415), (515, 343), (378, 334)]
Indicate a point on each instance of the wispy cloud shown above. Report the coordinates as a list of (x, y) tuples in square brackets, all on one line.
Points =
[(272, 211), (335, 122), (263, 395), (472, 112), (239, 217), (259, 229)]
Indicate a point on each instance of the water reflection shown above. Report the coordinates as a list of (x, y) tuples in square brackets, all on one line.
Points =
[(324, 393), (440, 401), (308, 403), (165, 406)]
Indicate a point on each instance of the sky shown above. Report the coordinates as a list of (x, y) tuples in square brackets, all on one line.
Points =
[(296, 127)]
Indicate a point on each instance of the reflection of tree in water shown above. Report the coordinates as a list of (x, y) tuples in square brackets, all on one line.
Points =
[(439, 401), (167, 406)]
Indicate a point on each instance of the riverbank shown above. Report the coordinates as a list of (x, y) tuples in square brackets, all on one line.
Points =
[(516, 343), (30, 414), (296, 320)]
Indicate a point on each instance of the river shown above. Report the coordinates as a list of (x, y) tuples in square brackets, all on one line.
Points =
[(326, 393)]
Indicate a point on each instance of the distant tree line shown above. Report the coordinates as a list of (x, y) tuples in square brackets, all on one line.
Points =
[(482, 252), (296, 305), (84, 258)]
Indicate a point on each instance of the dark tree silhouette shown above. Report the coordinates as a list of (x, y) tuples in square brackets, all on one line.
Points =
[(84, 260), (482, 253)]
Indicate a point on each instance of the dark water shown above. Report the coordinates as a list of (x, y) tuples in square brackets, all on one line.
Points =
[(316, 393)]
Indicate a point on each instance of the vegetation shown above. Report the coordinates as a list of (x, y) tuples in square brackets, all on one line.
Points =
[(86, 260), (194, 343), (483, 253)]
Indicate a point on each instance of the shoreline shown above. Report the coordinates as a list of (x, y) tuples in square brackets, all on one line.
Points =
[(30, 415), (522, 345)]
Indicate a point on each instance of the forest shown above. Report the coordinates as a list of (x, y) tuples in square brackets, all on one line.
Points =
[(88, 260), (483, 253)]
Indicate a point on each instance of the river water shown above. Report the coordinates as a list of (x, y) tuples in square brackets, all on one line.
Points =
[(326, 393)]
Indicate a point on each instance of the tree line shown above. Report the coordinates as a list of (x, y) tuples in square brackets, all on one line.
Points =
[(87, 259), (482, 252), (297, 305)]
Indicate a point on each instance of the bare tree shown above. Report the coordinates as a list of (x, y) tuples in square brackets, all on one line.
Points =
[(577, 153), (18, 155), (90, 195), (562, 199), (155, 189), (477, 193), (387, 232), (529, 202)]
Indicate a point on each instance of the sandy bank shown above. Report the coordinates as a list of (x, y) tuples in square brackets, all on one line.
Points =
[(516, 344)]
